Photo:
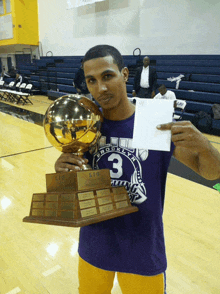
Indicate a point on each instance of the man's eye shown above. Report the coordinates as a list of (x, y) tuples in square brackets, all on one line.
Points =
[(91, 81), (107, 77)]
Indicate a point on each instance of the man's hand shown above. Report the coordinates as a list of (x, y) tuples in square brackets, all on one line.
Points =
[(153, 94), (69, 162), (184, 134), (134, 93), (194, 150)]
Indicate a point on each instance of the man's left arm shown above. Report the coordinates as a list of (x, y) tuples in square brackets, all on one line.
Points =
[(194, 150)]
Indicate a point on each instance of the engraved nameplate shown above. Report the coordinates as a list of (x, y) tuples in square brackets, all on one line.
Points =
[(37, 212), (120, 197), (118, 190), (38, 197), (51, 205), (88, 212), (38, 205), (67, 206), (86, 204), (61, 182), (103, 192), (104, 200), (52, 197), (86, 195), (52, 213), (67, 197), (106, 208), (95, 179), (121, 204)]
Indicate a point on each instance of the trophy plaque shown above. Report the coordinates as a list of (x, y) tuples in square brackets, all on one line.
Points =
[(75, 199)]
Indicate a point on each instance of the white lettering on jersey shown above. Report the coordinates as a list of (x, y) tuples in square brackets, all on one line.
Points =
[(119, 150)]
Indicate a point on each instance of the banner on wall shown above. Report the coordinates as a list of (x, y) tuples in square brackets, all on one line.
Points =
[(6, 27), (78, 3)]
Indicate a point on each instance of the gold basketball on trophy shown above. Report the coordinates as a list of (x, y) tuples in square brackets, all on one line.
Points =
[(72, 124)]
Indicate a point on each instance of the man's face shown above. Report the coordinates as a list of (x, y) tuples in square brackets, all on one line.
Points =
[(162, 90), (146, 61), (105, 82)]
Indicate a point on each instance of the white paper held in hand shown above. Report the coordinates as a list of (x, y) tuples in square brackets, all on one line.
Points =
[(150, 113)]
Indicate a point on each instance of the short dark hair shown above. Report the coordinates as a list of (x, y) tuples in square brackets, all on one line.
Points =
[(102, 51), (162, 86)]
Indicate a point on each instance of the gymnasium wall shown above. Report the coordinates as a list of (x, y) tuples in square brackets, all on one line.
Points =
[(156, 27)]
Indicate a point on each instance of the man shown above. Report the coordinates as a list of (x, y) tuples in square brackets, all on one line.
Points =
[(18, 79), (166, 94), (80, 84), (131, 245), (10, 74), (145, 80)]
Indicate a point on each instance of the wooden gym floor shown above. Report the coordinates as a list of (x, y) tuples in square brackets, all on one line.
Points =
[(43, 259)]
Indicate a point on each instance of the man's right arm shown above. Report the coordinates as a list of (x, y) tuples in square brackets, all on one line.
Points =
[(69, 162)]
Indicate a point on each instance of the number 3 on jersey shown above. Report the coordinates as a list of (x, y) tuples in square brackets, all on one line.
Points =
[(117, 165)]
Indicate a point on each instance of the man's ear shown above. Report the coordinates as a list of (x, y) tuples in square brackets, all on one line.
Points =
[(125, 73)]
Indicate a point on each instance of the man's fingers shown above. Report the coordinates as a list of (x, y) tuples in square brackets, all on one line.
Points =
[(165, 127), (67, 168), (177, 124), (72, 159), (69, 162)]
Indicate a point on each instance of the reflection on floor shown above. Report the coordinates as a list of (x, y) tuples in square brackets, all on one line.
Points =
[(21, 113), (32, 113)]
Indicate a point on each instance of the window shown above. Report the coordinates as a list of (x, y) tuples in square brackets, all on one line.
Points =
[(1, 7), (8, 6)]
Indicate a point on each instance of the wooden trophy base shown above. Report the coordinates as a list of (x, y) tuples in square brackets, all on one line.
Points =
[(77, 199)]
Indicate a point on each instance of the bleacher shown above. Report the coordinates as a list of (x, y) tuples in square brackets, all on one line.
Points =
[(54, 77), (203, 88)]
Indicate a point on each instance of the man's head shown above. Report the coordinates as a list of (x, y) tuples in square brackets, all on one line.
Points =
[(103, 51), (106, 77), (146, 61), (162, 89)]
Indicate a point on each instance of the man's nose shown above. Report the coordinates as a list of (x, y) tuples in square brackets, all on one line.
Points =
[(102, 87)]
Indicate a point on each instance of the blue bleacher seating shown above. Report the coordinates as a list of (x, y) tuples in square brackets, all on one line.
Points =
[(194, 107), (197, 96), (189, 69), (195, 86), (55, 74)]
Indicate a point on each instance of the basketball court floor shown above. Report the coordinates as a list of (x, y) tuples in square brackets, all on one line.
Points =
[(42, 259)]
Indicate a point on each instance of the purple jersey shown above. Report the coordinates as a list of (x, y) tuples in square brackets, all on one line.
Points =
[(132, 243)]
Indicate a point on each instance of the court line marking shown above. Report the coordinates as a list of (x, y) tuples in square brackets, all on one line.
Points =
[(215, 142), (14, 154), (52, 270), (14, 291)]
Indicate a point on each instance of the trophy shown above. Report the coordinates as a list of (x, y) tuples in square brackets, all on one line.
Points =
[(75, 199)]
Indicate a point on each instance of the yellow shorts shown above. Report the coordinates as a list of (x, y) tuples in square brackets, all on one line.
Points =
[(93, 280)]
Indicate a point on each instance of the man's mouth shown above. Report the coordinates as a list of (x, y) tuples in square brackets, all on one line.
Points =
[(104, 98)]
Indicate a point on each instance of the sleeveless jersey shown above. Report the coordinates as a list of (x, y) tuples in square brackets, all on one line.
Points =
[(133, 243)]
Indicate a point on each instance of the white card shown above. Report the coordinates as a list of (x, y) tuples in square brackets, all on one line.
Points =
[(149, 114)]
